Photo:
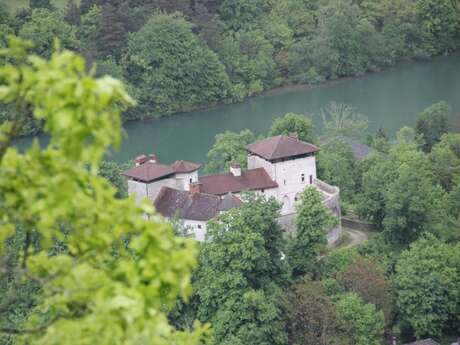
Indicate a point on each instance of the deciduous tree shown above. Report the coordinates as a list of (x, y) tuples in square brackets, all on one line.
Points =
[(426, 286), (366, 279), (313, 220), (341, 120), (432, 124), (44, 27), (229, 147), (292, 123), (414, 202), (309, 314), (445, 160), (245, 247), (360, 323), (112, 172), (114, 273), (337, 166), (173, 70)]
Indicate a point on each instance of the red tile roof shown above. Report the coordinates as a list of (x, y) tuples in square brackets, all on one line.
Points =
[(200, 207), (220, 184), (281, 146), (149, 172), (182, 167)]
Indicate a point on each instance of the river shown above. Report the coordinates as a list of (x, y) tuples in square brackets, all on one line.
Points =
[(390, 99)]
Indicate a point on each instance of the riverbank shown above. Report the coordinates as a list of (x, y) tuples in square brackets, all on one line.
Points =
[(390, 99), (288, 88)]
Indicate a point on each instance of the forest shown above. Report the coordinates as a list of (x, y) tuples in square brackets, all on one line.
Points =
[(178, 55), (81, 263), (402, 282)]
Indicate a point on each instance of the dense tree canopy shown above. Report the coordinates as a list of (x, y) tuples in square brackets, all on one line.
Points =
[(367, 280), (204, 52), (112, 172), (445, 160), (400, 193), (313, 221), (413, 201), (426, 285), (310, 315), (229, 147), (44, 27), (241, 301), (297, 124), (81, 266), (432, 123), (172, 69), (95, 285), (337, 166), (360, 323)]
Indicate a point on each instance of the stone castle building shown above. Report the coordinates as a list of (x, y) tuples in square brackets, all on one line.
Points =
[(280, 167)]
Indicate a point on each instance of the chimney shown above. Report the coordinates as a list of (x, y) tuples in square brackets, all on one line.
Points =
[(294, 135), (152, 158), (235, 169), (195, 188), (140, 160)]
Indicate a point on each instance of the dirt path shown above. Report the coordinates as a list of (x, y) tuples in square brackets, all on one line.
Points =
[(356, 237)]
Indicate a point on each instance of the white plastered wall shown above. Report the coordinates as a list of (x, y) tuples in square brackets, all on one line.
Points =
[(288, 175), (198, 227), (184, 180), (149, 190)]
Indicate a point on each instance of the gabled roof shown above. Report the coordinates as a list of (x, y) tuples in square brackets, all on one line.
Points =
[(220, 184), (281, 146), (424, 342), (201, 207), (149, 171), (182, 167), (229, 201)]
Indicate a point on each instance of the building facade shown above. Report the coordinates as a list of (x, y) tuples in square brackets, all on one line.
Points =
[(280, 167)]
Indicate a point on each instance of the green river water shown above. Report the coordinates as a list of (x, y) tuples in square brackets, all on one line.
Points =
[(390, 99)]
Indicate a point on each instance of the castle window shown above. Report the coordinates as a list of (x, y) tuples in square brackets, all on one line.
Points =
[(199, 226), (191, 180), (284, 182), (303, 178), (311, 179), (263, 190)]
